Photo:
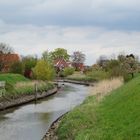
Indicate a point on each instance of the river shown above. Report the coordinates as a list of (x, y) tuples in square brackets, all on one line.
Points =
[(31, 121)]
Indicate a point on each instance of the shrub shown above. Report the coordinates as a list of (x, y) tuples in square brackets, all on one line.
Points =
[(17, 67), (43, 71), (68, 71), (98, 75), (29, 62)]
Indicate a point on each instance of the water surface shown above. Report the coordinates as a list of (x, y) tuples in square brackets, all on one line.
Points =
[(31, 121)]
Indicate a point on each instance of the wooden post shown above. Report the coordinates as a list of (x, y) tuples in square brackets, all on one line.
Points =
[(2, 87), (35, 92)]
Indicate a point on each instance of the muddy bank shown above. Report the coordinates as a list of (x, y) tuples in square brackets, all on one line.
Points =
[(51, 134), (5, 104), (75, 82)]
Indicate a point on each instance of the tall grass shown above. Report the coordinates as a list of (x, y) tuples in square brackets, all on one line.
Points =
[(91, 76), (104, 87), (26, 88), (17, 85)]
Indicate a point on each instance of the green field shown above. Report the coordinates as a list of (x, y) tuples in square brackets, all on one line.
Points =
[(116, 117)]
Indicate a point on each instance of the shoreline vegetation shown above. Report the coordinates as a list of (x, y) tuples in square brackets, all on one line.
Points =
[(24, 99), (99, 90), (20, 90), (110, 112)]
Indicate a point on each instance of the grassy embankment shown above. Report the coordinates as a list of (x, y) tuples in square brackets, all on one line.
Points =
[(114, 117), (17, 84)]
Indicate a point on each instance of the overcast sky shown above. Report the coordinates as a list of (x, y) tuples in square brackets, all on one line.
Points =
[(95, 27)]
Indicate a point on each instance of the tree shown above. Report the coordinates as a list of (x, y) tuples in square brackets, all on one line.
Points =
[(130, 64), (59, 53), (78, 57), (46, 56), (103, 62), (43, 70), (5, 49), (1, 65), (29, 62), (17, 67)]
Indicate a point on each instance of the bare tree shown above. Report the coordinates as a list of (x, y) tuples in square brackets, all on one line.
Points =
[(78, 57), (5, 49), (103, 61)]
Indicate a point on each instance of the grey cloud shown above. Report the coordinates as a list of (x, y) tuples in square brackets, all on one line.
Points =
[(117, 14), (30, 39)]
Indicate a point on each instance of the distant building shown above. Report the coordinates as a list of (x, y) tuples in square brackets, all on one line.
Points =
[(61, 63), (6, 60), (78, 66)]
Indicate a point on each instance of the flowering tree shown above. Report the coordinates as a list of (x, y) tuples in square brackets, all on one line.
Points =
[(130, 64)]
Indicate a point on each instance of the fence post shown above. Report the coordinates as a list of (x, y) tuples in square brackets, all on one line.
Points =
[(2, 88), (35, 92)]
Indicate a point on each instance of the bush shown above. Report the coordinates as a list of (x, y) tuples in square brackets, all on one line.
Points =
[(98, 75), (118, 71), (17, 67), (68, 71), (29, 62), (44, 71)]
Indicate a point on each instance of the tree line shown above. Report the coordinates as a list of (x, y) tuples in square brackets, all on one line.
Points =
[(40, 68)]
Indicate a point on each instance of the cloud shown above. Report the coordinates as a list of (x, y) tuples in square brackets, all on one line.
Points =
[(95, 27), (116, 14), (30, 39)]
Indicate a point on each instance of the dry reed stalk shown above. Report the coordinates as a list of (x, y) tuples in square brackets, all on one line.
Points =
[(104, 87)]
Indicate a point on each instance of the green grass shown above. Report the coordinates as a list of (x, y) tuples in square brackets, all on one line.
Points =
[(12, 78), (116, 117), (78, 76), (17, 85), (90, 76), (25, 88), (98, 75)]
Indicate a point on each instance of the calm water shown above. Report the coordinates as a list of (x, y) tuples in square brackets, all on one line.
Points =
[(31, 121)]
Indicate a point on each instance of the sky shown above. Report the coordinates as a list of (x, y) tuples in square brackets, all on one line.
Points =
[(95, 27)]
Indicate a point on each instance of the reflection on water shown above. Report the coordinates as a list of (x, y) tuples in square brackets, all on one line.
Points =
[(30, 122)]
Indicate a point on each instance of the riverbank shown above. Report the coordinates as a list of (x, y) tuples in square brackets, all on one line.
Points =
[(103, 87), (114, 116), (86, 83), (23, 99), (51, 134), (19, 90)]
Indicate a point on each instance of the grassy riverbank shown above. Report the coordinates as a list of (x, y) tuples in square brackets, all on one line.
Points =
[(115, 117), (17, 85)]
